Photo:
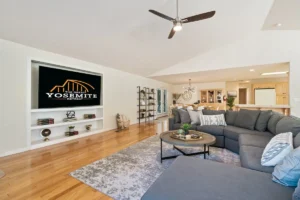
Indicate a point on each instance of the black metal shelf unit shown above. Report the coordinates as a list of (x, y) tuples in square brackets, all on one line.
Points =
[(146, 104)]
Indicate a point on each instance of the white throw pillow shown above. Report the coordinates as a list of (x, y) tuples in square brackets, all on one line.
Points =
[(278, 147), (194, 115), (218, 120)]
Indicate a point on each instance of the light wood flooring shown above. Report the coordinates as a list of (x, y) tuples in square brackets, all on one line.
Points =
[(44, 173)]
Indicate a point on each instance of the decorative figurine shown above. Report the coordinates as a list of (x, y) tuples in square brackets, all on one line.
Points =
[(88, 127)]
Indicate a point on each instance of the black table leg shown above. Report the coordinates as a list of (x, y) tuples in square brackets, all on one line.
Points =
[(160, 150), (208, 150), (205, 151)]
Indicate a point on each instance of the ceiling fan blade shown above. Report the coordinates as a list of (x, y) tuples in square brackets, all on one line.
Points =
[(172, 33), (199, 17), (161, 15)]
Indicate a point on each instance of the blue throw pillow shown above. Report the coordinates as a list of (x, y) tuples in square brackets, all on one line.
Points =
[(287, 172), (296, 195)]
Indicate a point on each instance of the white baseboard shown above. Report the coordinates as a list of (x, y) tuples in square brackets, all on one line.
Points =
[(21, 150)]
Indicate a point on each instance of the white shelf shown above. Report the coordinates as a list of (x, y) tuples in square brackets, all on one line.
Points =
[(64, 109), (34, 127), (63, 138)]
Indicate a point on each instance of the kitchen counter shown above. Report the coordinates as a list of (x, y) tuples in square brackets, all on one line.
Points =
[(284, 109)]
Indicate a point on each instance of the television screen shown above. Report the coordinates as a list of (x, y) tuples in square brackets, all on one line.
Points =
[(62, 88)]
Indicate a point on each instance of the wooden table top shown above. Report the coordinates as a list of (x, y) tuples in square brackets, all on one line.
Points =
[(208, 139)]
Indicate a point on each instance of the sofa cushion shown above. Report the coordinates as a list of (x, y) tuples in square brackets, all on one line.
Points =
[(288, 124), (273, 122), (176, 115), (184, 116), (247, 119), (233, 132), (178, 126), (254, 140), (287, 172), (230, 117), (194, 115), (250, 158), (262, 120), (196, 179), (296, 141), (212, 129), (213, 112), (278, 148)]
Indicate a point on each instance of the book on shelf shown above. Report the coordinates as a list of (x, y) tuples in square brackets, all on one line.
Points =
[(89, 116), (45, 121), (71, 133)]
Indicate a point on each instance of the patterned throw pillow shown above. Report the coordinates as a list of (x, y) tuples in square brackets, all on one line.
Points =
[(275, 151), (287, 172), (218, 120)]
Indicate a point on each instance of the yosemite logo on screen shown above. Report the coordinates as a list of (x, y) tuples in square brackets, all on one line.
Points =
[(72, 90)]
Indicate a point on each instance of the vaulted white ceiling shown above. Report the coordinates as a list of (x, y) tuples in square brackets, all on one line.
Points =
[(123, 34)]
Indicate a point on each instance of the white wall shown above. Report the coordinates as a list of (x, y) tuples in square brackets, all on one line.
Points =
[(263, 47), (198, 86), (120, 93)]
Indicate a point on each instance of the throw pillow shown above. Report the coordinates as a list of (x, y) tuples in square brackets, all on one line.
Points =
[(218, 120), (246, 119), (213, 112), (278, 147), (296, 194), (230, 117), (287, 172), (262, 120), (194, 115), (273, 122), (184, 116), (176, 115)]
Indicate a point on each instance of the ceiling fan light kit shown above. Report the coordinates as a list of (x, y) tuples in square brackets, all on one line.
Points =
[(177, 22)]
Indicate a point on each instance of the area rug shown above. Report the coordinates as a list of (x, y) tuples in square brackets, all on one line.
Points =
[(129, 173)]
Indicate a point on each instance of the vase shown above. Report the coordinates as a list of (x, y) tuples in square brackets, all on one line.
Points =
[(186, 132)]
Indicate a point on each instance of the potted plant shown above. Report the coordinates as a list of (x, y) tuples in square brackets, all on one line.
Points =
[(230, 102), (186, 128), (71, 129)]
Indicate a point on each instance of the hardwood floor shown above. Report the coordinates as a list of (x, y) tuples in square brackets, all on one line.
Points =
[(44, 173)]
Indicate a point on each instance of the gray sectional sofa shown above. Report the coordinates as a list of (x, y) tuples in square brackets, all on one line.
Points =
[(192, 178)]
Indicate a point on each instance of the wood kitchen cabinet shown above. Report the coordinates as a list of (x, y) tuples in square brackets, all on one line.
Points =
[(282, 88), (282, 100)]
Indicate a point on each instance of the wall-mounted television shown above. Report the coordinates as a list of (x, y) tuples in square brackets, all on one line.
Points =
[(63, 88)]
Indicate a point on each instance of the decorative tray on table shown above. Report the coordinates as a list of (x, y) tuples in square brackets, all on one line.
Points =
[(194, 136)]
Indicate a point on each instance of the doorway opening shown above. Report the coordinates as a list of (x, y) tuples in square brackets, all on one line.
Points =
[(242, 95)]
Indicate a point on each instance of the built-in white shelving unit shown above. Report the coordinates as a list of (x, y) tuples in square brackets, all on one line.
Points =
[(58, 129), (33, 127)]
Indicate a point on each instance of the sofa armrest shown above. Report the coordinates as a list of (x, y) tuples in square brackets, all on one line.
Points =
[(171, 123)]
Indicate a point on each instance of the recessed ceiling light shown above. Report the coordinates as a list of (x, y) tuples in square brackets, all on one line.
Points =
[(278, 25), (247, 81), (274, 73), (251, 70)]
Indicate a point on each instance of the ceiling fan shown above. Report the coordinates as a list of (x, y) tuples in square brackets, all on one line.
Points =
[(177, 22)]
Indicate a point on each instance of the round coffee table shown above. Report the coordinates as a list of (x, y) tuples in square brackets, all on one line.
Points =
[(206, 141)]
